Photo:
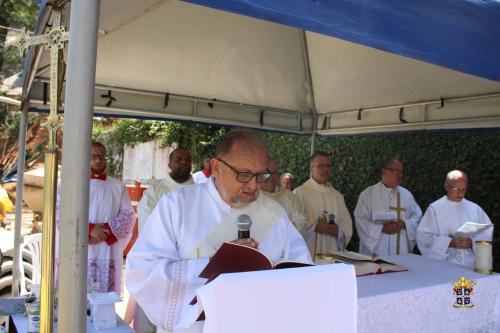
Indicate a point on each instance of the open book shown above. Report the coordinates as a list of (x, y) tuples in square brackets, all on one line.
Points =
[(471, 229), (366, 265), (233, 258)]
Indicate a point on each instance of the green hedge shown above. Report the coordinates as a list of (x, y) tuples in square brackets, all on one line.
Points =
[(427, 157)]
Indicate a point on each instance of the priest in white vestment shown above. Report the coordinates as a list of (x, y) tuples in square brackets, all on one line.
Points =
[(204, 174), (329, 224), (111, 219), (189, 225), (435, 234), (381, 238), (286, 198), (179, 163)]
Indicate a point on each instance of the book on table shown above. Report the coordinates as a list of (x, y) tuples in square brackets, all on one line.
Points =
[(364, 264), (234, 258)]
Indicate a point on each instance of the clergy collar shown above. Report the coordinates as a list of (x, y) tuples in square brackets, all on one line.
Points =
[(327, 184), (188, 181), (101, 176), (212, 189), (277, 192), (390, 190), (454, 202)]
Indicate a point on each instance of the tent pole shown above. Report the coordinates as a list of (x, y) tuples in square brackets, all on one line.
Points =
[(75, 165), (21, 154), (307, 65)]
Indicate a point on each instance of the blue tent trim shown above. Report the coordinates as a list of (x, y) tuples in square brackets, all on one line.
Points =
[(463, 35)]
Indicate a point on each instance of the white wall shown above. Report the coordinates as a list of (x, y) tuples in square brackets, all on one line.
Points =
[(145, 161)]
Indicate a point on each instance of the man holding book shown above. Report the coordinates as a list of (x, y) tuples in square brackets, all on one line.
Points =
[(437, 233), (387, 214), (192, 222)]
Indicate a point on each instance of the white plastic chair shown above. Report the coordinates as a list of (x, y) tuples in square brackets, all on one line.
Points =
[(31, 246)]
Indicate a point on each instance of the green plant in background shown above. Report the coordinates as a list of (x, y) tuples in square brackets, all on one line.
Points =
[(15, 14), (427, 157)]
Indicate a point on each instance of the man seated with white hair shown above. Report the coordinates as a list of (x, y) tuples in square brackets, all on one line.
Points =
[(435, 234)]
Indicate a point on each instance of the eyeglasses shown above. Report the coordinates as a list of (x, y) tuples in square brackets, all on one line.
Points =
[(458, 190), (245, 177), (394, 170), (95, 157)]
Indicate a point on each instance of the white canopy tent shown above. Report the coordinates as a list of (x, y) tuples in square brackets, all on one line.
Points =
[(180, 61), (261, 74)]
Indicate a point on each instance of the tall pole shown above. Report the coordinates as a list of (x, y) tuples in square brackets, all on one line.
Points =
[(307, 66), (75, 166), (21, 154)]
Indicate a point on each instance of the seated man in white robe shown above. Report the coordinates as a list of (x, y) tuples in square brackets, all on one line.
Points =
[(435, 234), (286, 198), (179, 163), (329, 222), (379, 236), (189, 224)]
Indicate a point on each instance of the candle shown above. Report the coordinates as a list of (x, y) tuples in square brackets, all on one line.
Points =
[(484, 257)]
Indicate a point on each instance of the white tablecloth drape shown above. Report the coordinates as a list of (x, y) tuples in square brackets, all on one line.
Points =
[(421, 299)]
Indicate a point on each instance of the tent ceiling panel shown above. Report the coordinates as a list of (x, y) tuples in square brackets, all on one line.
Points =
[(351, 76), (196, 51), (457, 34), (153, 106)]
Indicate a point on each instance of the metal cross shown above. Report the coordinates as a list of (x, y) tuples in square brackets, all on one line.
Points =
[(53, 41)]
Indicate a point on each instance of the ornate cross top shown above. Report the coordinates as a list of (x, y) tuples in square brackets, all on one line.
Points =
[(53, 41)]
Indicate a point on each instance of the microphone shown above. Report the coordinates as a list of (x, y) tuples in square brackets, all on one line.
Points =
[(243, 224)]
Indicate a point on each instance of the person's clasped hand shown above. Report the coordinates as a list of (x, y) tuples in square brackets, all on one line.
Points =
[(327, 229), (98, 234)]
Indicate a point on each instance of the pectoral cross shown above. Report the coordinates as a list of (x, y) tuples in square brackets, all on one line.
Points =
[(398, 210), (54, 41)]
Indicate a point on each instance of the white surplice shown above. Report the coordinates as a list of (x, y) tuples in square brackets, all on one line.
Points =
[(378, 199), (441, 220), (186, 228), (200, 177), (293, 207), (319, 199), (108, 203), (153, 194)]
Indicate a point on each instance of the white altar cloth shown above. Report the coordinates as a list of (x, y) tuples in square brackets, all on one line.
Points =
[(421, 299), (312, 299)]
